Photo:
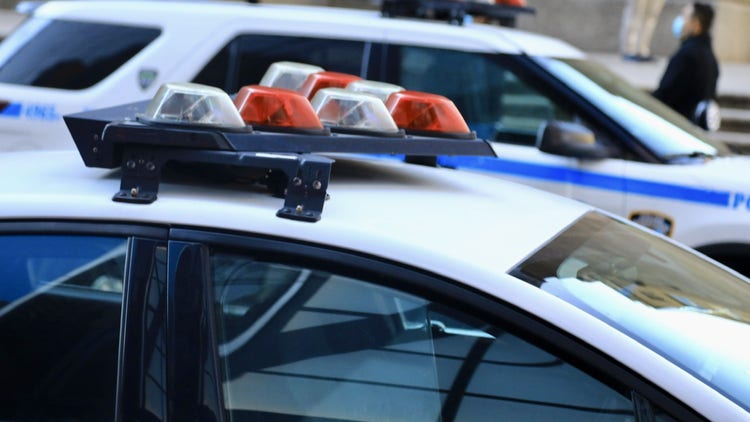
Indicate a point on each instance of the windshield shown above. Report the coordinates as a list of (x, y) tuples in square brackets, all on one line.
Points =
[(665, 132), (692, 312)]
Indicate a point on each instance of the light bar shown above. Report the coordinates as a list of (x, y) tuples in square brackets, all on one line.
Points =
[(420, 111), (325, 79), (275, 107), (288, 75), (381, 90), (287, 163), (346, 109), (192, 104)]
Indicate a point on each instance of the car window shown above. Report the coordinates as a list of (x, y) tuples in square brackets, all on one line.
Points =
[(244, 60), (495, 99), (684, 308), (68, 54), (300, 343), (60, 305), (668, 134)]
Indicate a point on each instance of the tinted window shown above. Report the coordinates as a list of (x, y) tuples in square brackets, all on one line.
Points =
[(60, 301), (494, 98), (245, 59), (297, 343), (72, 55)]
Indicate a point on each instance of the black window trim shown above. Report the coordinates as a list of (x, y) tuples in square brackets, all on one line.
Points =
[(104, 228), (449, 293)]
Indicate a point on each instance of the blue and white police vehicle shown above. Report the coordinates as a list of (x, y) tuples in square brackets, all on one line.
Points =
[(206, 258), (557, 120)]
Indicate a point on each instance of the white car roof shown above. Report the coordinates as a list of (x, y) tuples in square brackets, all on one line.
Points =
[(166, 14), (381, 207)]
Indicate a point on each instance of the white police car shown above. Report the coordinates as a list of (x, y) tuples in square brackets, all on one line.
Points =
[(205, 269), (599, 139)]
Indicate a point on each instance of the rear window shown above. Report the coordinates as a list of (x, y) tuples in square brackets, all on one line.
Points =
[(69, 55)]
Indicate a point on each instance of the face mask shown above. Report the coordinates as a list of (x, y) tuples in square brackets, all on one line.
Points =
[(677, 25)]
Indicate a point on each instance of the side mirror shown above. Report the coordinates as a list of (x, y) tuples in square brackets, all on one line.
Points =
[(569, 140)]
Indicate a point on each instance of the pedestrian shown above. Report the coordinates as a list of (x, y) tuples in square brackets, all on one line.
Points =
[(639, 18), (692, 72)]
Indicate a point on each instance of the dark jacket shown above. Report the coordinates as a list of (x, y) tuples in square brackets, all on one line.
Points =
[(690, 77)]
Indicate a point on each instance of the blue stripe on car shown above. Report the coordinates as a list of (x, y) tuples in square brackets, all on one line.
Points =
[(11, 110), (589, 179)]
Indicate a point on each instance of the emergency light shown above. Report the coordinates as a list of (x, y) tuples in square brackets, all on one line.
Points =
[(191, 123), (288, 75), (194, 104), (275, 107), (325, 79), (344, 109), (423, 112), (381, 90)]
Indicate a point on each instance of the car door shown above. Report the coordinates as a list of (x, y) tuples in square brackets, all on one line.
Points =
[(307, 332), (505, 103)]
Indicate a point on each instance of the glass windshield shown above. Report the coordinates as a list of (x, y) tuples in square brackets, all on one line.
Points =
[(664, 131), (692, 312)]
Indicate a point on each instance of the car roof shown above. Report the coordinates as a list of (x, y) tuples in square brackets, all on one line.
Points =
[(473, 36), (376, 206)]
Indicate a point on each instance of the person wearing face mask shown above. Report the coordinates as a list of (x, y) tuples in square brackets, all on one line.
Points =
[(692, 72)]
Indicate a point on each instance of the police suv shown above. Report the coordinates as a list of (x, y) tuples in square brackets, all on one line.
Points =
[(239, 260), (556, 120)]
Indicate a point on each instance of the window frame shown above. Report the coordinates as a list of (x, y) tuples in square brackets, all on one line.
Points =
[(135, 235)]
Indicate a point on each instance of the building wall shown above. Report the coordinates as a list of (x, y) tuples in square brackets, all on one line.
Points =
[(594, 25), (732, 31)]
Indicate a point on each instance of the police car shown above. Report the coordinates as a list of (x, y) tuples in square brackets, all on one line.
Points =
[(557, 120), (216, 259)]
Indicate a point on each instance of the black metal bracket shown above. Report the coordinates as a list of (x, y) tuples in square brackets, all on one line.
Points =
[(307, 175), (307, 189), (141, 173)]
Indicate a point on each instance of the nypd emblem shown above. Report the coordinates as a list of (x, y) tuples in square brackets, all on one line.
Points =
[(146, 77)]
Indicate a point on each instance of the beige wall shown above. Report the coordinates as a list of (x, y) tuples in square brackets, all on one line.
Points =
[(732, 31), (594, 25)]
